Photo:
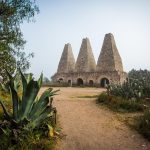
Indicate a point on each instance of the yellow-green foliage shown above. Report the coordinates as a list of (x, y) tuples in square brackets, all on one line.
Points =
[(4, 95)]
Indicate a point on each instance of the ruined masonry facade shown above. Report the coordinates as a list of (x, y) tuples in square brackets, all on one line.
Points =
[(84, 71)]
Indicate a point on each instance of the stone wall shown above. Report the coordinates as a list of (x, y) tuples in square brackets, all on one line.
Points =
[(96, 77)]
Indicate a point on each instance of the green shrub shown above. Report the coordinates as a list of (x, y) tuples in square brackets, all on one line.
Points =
[(103, 98), (119, 104), (144, 124), (27, 139), (127, 105), (137, 85), (128, 90), (29, 113)]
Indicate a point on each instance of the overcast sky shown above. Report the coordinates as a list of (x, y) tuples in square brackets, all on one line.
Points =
[(69, 21)]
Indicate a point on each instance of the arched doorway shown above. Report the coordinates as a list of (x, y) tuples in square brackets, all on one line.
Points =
[(104, 82), (79, 82), (91, 83), (69, 82), (60, 80)]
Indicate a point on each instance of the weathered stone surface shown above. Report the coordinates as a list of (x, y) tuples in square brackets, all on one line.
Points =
[(109, 67), (109, 59), (85, 61), (67, 61)]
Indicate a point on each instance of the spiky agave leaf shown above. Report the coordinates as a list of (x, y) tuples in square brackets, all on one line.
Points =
[(35, 101), (46, 113), (45, 94), (30, 77), (29, 98), (16, 85), (14, 98), (42, 100), (39, 110), (5, 111), (19, 103), (54, 92), (24, 84), (40, 80), (29, 112)]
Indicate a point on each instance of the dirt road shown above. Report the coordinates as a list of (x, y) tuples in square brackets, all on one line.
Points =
[(88, 126)]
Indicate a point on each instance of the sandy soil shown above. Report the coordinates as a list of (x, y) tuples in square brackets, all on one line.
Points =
[(88, 126)]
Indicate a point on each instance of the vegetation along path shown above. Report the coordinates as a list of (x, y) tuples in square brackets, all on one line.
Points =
[(88, 126)]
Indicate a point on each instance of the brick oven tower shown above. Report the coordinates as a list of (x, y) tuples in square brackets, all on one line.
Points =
[(67, 61), (85, 61), (109, 68), (109, 58)]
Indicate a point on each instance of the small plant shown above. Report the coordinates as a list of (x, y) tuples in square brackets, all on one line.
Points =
[(144, 124), (119, 104), (87, 96), (29, 112), (103, 98)]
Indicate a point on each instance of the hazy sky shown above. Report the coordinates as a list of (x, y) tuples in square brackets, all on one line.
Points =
[(69, 21)]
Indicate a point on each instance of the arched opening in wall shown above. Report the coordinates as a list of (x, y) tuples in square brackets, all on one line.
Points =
[(70, 82), (60, 80), (104, 82), (91, 83), (79, 82)]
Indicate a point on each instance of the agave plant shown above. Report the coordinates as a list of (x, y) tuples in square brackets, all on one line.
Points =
[(29, 111)]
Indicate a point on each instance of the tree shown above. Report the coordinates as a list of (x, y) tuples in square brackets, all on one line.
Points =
[(12, 14), (7, 61), (46, 80)]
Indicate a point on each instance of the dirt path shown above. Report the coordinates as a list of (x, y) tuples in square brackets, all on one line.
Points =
[(88, 126)]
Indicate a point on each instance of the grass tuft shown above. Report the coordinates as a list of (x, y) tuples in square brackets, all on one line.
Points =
[(143, 124), (88, 96), (140, 122), (119, 104)]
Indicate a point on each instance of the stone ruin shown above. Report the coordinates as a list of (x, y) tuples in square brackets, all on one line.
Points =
[(84, 71)]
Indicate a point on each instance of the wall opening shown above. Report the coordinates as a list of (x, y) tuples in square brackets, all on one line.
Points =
[(60, 80), (91, 83), (79, 82), (104, 82), (69, 82)]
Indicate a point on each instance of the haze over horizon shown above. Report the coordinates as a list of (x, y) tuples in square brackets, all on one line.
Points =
[(63, 21)]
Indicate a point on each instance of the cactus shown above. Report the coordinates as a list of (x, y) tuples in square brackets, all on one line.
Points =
[(137, 86)]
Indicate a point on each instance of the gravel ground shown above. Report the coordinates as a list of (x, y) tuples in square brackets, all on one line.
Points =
[(88, 126)]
